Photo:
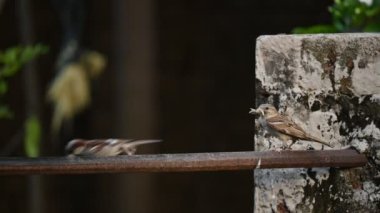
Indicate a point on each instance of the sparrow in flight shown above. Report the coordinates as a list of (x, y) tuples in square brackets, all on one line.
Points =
[(281, 126), (104, 148)]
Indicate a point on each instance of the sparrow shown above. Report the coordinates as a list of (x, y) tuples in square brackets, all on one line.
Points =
[(104, 148), (281, 126)]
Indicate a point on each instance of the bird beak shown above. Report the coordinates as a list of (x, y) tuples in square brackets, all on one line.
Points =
[(256, 111), (252, 111)]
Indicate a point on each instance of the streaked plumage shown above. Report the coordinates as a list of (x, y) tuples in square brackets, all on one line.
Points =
[(281, 126), (107, 147)]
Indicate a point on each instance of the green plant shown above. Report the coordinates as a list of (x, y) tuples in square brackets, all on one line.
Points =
[(32, 136), (11, 61), (349, 16)]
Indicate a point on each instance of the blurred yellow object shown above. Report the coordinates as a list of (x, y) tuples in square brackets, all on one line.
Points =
[(70, 91), (94, 63)]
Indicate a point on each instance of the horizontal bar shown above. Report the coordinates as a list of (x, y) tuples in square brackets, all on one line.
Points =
[(219, 161)]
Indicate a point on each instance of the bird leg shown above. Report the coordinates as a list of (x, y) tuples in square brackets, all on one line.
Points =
[(292, 142), (287, 146)]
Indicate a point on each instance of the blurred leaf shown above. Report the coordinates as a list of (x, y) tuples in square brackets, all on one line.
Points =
[(10, 61), (5, 112), (372, 11), (32, 136), (15, 57), (10, 69), (373, 27), (27, 54), (349, 16), (315, 29), (31, 52), (3, 87), (42, 49), (10, 55), (339, 26)]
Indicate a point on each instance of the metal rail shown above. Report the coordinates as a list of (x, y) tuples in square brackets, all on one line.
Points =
[(222, 161)]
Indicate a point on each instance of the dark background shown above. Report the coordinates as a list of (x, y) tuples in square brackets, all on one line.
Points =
[(180, 70)]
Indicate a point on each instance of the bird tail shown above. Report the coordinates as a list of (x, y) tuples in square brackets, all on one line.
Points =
[(141, 142), (315, 139), (129, 148)]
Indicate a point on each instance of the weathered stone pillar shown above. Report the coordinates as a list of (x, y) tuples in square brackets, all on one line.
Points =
[(330, 86)]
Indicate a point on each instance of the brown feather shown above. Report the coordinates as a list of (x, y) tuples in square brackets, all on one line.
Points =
[(286, 126)]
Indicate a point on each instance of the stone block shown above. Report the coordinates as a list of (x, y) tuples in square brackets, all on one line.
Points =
[(329, 84)]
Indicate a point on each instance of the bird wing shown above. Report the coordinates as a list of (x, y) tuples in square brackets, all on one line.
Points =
[(286, 126), (100, 147)]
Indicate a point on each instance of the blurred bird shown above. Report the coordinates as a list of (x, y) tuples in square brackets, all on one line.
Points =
[(76, 67), (70, 91), (281, 126), (105, 148)]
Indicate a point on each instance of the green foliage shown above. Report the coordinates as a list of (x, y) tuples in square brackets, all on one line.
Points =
[(5, 112), (3, 87), (315, 29), (14, 58), (11, 61), (32, 136), (349, 16)]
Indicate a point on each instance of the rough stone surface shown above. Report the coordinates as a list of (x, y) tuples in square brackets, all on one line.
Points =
[(330, 86)]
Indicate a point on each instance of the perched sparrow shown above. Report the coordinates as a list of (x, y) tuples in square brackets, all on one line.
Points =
[(281, 126), (108, 147)]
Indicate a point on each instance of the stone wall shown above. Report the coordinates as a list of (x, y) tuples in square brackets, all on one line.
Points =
[(330, 86)]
